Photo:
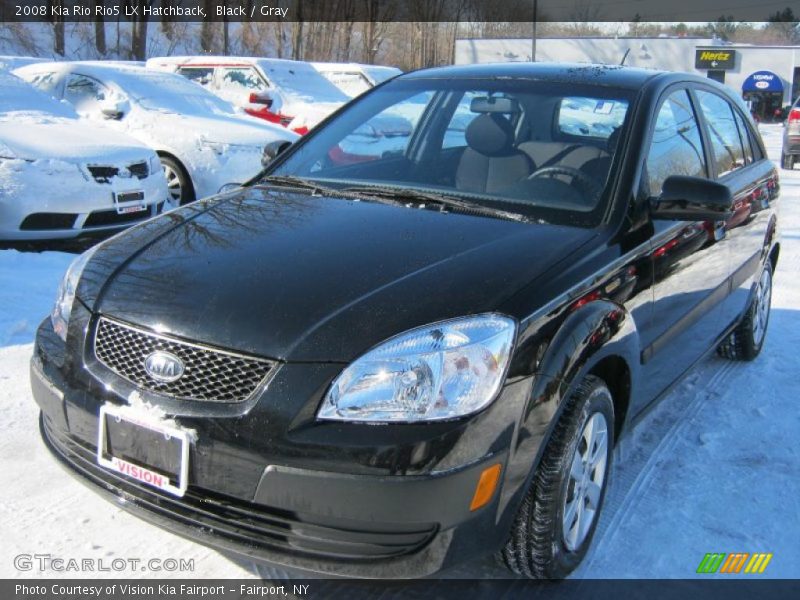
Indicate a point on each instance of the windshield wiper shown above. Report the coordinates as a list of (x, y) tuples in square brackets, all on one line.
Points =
[(412, 196), (299, 183)]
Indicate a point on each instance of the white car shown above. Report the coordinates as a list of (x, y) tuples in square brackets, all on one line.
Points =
[(353, 78), (202, 142), (61, 176), (288, 92), (8, 63)]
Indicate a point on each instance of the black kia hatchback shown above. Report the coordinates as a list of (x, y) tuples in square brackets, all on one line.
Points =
[(401, 348)]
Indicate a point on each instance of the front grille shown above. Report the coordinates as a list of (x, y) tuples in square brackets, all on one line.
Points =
[(210, 375), (104, 173), (245, 523), (109, 218), (47, 221)]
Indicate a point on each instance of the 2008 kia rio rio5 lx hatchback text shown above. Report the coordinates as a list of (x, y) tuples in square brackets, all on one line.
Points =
[(389, 354)]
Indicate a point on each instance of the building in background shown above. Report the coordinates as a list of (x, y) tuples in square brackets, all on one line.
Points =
[(767, 77)]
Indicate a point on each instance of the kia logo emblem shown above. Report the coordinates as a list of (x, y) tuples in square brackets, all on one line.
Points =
[(164, 366)]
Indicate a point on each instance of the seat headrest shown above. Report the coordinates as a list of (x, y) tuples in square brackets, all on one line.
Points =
[(490, 134)]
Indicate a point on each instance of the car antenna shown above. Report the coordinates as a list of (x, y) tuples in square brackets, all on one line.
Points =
[(622, 62)]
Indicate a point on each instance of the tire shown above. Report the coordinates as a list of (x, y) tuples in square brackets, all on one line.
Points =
[(747, 339), (787, 161), (179, 185), (542, 545)]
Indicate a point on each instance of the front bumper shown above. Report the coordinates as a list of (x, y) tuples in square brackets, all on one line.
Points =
[(284, 510), (791, 144), (61, 205)]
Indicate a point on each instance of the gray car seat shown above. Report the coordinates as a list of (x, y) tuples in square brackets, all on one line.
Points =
[(490, 161)]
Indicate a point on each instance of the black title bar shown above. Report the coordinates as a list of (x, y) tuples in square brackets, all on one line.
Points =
[(398, 10)]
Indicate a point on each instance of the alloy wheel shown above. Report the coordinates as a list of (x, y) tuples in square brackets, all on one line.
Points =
[(174, 185), (586, 480), (762, 306)]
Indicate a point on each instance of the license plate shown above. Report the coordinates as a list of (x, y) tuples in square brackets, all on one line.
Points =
[(148, 450), (129, 202)]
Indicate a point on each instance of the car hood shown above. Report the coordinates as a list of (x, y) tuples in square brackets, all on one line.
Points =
[(69, 140), (225, 129), (309, 278)]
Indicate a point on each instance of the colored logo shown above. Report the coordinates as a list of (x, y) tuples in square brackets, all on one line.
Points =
[(737, 562)]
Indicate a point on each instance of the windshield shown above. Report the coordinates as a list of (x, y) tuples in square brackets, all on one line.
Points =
[(540, 149), (18, 96)]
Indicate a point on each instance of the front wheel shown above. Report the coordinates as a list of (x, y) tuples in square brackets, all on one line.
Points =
[(747, 339), (179, 185), (555, 524)]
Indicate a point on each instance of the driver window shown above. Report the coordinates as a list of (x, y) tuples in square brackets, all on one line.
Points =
[(85, 93), (676, 147)]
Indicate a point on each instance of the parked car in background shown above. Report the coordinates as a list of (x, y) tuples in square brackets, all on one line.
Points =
[(9, 63), (387, 368), (791, 137), (203, 144), (290, 93), (61, 176), (353, 78)]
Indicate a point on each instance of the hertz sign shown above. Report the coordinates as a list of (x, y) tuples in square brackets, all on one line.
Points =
[(714, 59)]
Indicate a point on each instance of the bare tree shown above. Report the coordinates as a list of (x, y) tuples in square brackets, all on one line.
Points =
[(55, 7), (99, 28)]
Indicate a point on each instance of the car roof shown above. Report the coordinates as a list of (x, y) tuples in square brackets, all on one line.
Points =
[(211, 60), (578, 73)]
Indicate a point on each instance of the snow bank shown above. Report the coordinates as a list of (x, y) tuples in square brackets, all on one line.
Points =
[(28, 284)]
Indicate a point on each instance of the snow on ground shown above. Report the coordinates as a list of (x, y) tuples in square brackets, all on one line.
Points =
[(28, 284), (713, 468)]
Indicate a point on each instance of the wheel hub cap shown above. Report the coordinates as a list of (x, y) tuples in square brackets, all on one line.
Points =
[(586, 479), (762, 306)]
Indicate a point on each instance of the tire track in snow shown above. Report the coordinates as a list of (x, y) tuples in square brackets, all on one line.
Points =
[(636, 466)]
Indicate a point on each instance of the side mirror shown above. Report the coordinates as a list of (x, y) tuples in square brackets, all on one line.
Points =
[(264, 98), (113, 110), (685, 198), (229, 187), (272, 150)]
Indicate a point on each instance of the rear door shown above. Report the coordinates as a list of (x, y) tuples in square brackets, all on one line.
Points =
[(738, 161)]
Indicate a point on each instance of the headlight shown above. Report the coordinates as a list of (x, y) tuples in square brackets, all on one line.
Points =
[(440, 371), (66, 293), (6, 152), (155, 164)]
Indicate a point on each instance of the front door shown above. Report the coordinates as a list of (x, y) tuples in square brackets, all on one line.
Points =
[(690, 268)]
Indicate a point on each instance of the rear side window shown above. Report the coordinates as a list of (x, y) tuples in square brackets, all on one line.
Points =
[(747, 140), (590, 117), (676, 147), (723, 131)]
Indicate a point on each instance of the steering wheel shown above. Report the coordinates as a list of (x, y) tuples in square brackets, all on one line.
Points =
[(585, 183)]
